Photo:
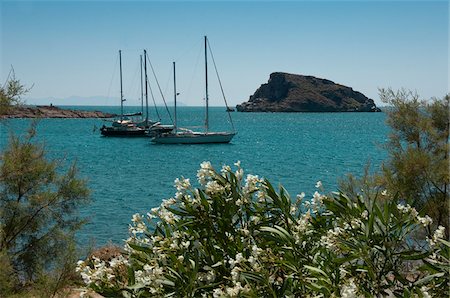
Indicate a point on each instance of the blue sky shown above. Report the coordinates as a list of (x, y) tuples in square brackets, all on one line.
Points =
[(69, 49)]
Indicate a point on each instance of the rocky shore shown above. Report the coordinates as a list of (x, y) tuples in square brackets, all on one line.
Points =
[(52, 112), (286, 92)]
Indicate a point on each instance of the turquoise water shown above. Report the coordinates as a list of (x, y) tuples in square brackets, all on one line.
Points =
[(132, 175)]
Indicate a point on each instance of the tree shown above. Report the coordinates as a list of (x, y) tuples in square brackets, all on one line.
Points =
[(37, 208), (418, 148), (11, 93), (38, 211)]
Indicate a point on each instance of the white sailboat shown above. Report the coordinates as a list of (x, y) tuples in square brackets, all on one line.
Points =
[(186, 136)]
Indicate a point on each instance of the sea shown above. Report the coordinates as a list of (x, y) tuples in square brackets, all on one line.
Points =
[(133, 175)]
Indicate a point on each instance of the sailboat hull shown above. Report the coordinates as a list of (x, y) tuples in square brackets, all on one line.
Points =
[(194, 138), (123, 132)]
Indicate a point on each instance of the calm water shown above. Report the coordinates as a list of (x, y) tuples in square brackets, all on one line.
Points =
[(132, 175)]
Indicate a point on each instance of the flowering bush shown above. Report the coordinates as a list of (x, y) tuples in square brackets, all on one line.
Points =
[(236, 237)]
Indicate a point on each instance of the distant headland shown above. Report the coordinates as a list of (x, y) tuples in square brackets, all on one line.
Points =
[(52, 112), (285, 92)]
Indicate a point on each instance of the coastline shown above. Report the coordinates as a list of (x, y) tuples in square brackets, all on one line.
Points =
[(52, 112)]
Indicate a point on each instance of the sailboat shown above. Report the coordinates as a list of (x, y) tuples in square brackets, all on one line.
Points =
[(186, 136), (128, 127)]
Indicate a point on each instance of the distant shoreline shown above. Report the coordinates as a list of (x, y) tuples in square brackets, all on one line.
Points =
[(52, 112)]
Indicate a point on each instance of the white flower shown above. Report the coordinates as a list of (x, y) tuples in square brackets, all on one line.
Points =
[(355, 223), (301, 196), (252, 260), (365, 214), (438, 234), (349, 290), (256, 251), (316, 202), (261, 195), (319, 184), (251, 183), (234, 291), (205, 172), (342, 272), (174, 245), (225, 169), (213, 187), (206, 165), (407, 209), (217, 293), (245, 231), (239, 258), (117, 261), (168, 203), (425, 221), (232, 262), (330, 241), (425, 293), (182, 184), (384, 193), (136, 217), (235, 274), (167, 216)]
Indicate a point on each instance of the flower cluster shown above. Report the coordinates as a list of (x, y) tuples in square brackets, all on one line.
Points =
[(439, 234), (235, 237), (99, 273), (425, 221)]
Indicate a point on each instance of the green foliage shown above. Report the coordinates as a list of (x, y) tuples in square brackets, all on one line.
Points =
[(38, 217), (11, 93), (418, 148), (235, 237)]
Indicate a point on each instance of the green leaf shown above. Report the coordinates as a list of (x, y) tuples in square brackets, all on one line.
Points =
[(178, 212), (280, 232), (428, 278), (446, 243), (413, 255), (140, 248), (316, 270), (252, 276), (166, 282)]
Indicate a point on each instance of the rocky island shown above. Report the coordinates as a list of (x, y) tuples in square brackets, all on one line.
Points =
[(52, 112), (285, 92)]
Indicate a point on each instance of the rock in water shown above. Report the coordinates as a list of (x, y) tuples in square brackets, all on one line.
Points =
[(297, 93)]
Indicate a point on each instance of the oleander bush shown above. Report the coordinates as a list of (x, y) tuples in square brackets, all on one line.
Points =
[(236, 237)]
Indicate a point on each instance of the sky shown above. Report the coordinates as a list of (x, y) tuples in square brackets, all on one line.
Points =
[(68, 50)]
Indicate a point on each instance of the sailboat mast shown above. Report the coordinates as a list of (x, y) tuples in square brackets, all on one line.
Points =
[(175, 96), (142, 90), (121, 90), (146, 87), (206, 86)]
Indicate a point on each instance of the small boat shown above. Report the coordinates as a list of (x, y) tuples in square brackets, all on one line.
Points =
[(186, 136)]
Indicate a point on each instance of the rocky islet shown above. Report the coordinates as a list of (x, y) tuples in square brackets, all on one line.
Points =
[(285, 92)]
